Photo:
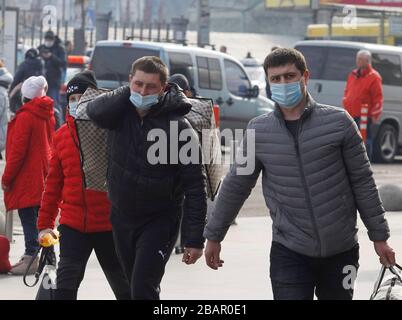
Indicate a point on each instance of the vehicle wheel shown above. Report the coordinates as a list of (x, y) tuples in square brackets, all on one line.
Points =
[(385, 144)]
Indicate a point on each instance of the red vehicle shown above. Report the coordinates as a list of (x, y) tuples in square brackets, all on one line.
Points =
[(75, 64)]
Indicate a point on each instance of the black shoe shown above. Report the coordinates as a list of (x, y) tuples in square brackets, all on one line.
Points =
[(179, 250)]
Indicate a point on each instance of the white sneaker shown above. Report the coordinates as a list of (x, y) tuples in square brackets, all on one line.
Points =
[(21, 266)]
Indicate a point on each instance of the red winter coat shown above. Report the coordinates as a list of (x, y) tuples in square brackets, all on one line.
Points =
[(81, 209), (365, 88), (28, 150)]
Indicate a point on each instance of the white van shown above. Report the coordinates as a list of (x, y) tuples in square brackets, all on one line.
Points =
[(330, 63), (212, 74)]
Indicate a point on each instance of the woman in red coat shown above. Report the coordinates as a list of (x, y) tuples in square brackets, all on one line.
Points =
[(84, 217), (28, 150)]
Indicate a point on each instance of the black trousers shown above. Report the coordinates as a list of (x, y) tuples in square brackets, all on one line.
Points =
[(297, 277), (144, 249), (75, 250)]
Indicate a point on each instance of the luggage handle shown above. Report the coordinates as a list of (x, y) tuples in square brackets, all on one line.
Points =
[(381, 277)]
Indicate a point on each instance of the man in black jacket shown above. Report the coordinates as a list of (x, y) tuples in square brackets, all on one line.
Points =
[(31, 66), (148, 197), (54, 55)]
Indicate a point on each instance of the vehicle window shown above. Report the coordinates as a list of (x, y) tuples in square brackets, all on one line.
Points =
[(182, 63), (315, 58), (215, 74), (114, 63), (236, 79), (256, 73), (339, 63), (209, 73), (389, 67)]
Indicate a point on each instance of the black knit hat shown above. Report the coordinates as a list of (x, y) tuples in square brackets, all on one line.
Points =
[(180, 80), (81, 82), (32, 54), (50, 35)]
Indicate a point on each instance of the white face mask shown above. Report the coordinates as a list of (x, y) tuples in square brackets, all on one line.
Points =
[(49, 43), (72, 109)]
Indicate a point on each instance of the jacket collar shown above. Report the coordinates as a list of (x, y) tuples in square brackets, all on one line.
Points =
[(363, 72)]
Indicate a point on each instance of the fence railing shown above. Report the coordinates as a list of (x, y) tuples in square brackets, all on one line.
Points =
[(158, 31)]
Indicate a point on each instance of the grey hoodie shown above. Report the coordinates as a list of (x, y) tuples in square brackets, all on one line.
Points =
[(313, 184)]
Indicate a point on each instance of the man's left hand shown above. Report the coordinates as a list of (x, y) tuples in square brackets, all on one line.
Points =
[(191, 255), (385, 252)]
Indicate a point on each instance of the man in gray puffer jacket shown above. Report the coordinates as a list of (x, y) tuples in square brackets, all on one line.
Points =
[(316, 175)]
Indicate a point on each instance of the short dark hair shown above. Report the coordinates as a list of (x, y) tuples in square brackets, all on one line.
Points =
[(151, 64), (283, 56)]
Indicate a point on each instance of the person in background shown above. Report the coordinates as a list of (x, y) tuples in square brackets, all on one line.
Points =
[(182, 81), (54, 55), (364, 87), (33, 65), (5, 80), (223, 49), (69, 47), (28, 150)]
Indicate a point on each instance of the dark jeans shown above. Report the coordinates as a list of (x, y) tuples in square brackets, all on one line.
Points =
[(54, 93), (144, 251), (75, 250), (369, 139), (29, 218), (296, 277)]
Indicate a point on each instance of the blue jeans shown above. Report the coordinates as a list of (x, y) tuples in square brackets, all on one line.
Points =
[(297, 277), (29, 217), (54, 93), (369, 138)]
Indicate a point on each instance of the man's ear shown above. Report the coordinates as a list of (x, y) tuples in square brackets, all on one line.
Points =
[(130, 77), (306, 76)]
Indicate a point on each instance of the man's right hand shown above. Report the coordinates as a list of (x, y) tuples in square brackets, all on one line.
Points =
[(212, 252)]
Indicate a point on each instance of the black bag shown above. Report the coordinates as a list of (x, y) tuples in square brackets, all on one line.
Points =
[(389, 288), (47, 264)]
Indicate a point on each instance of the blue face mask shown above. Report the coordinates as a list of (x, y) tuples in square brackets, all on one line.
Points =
[(144, 102), (287, 95), (72, 108)]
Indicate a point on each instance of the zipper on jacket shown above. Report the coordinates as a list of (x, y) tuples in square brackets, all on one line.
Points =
[(305, 186), (82, 177)]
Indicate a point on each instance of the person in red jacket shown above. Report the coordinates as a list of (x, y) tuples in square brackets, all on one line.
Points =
[(84, 217), (364, 87), (28, 150)]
